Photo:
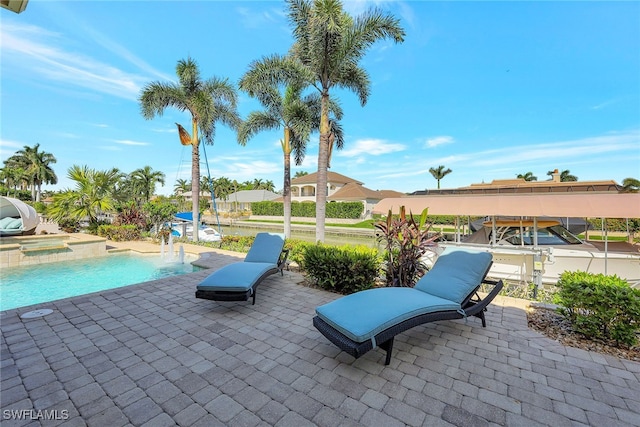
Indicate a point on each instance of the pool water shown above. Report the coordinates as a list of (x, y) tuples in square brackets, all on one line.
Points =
[(23, 286)]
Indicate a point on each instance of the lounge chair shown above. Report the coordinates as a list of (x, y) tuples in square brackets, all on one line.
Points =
[(364, 320), (238, 281)]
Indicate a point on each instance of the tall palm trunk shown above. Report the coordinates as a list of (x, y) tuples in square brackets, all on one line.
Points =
[(286, 190), (195, 179), (323, 164)]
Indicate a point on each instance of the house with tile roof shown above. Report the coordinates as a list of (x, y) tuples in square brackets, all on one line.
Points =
[(340, 188)]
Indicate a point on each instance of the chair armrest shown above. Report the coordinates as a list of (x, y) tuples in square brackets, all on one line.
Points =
[(472, 307)]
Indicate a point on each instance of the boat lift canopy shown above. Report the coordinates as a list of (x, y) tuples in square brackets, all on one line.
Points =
[(596, 205), (584, 205)]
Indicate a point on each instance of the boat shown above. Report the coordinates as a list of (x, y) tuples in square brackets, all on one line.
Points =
[(205, 233), (183, 227), (519, 258), (17, 218), (532, 246)]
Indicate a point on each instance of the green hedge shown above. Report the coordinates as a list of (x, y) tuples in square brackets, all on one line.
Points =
[(614, 224), (600, 306), (345, 269), (348, 210)]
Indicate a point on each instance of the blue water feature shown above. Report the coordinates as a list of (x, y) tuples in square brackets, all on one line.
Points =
[(23, 286)]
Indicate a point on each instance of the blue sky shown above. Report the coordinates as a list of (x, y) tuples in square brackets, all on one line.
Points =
[(488, 89)]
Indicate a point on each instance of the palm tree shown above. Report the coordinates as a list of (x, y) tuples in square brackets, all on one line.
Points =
[(529, 176), (630, 185), (181, 186), (329, 44), (206, 101), (297, 116), (565, 175), (222, 187), (289, 112), (145, 180), (300, 173), (93, 195), (36, 166), (439, 173)]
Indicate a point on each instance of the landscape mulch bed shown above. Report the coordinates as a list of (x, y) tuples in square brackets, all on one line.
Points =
[(555, 326)]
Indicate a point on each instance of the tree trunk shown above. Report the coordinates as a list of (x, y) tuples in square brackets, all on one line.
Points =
[(286, 188), (195, 180), (323, 164)]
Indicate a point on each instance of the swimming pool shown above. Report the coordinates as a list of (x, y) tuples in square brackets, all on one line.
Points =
[(23, 286)]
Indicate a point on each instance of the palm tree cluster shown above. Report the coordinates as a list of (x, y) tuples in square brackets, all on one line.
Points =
[(28, 169), (565, 176), (223, 186), (328, 46), (98, 192)]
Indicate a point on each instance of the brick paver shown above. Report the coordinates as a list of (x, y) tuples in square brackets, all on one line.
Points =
[(154, 355)]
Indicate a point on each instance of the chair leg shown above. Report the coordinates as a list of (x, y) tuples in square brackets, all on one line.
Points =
[(387, 345), (481, 316), (254, 298)]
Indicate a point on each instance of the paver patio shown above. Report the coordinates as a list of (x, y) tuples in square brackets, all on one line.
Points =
[(154, 355)]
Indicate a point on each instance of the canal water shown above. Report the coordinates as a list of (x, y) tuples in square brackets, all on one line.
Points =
[(341, 236)]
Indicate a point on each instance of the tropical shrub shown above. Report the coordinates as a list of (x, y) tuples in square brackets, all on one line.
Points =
[(600, 306), (158, 212), (236, 243), (405, 242), (345, 269), (131, 214), (297, 249), (119, 233), (69, 225), (40, 207)]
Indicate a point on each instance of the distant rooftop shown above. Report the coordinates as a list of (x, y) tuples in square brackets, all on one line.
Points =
[(519, 185), (332, 177)]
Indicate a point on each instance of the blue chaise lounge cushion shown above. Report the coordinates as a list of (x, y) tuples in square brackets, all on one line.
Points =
[(266, 248), (363, 315), (237, 277), (455, 274)]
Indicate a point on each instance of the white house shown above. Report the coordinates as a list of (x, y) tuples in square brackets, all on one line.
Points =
[(340, 188), (241, 200)]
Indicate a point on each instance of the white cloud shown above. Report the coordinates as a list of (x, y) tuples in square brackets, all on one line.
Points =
[(129, 142), (242, 171), (561, 151), (604, 104), (36, 49), (9, 148), (439, 140), (373, 147), (251, 19)]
